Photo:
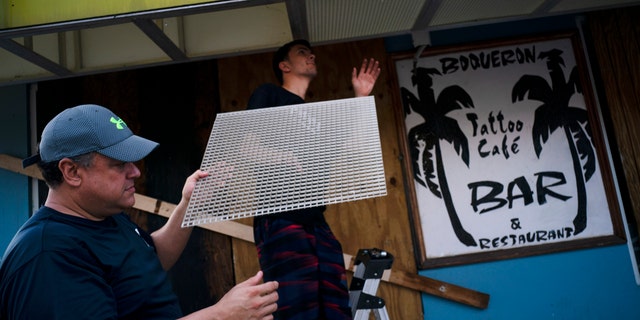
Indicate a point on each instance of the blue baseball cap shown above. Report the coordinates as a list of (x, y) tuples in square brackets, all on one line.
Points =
[(88, 128)]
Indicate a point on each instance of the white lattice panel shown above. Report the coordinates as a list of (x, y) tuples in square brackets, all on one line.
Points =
[(286, 158)]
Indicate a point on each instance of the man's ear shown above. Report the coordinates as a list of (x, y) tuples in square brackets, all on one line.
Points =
[(69, 171), (284, 66)]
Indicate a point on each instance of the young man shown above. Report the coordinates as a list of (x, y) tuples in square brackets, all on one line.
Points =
[(297, 248), (80, 257)]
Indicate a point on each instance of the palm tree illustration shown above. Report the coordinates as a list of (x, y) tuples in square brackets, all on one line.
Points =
[(424, 138), (555, 113)]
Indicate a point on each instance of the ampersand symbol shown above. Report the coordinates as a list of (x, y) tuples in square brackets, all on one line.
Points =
[(515, 224)]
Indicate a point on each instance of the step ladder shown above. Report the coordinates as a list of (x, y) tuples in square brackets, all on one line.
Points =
[(370, 265)]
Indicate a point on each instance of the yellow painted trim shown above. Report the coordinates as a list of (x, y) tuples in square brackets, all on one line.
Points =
[(23, 13)]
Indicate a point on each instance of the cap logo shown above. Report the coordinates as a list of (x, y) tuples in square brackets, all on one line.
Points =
[(118, 122)]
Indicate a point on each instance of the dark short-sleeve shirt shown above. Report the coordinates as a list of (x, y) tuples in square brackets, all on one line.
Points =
[(270, 95), (64, 267)]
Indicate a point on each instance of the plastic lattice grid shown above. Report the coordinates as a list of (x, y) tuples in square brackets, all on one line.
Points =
[(288, 158)]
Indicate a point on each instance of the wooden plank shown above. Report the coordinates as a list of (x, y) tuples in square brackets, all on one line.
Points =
[(428, 285), (229, 228), (244, 232), (616, 50), (14, 164)]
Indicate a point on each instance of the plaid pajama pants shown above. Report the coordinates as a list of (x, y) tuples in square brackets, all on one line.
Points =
[(307, 262)]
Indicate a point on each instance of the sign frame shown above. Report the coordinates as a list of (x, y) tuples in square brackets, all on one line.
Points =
[(502, 196)]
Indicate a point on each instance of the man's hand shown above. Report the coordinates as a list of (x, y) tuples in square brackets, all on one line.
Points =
[(219, 173), (364, 80), (250, 300), (190, 184)]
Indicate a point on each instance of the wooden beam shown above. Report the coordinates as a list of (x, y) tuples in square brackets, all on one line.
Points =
[(297, 11), (244, 232), (160, 39), (34, 57)]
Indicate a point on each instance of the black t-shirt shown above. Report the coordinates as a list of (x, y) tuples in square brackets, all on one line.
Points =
[(270, 95), (64, 267)]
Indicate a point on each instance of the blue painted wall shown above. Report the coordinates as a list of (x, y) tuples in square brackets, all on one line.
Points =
[(14, 188), (584, 284)]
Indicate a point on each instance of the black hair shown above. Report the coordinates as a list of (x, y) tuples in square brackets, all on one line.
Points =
[(283, 53), (52, 174)]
